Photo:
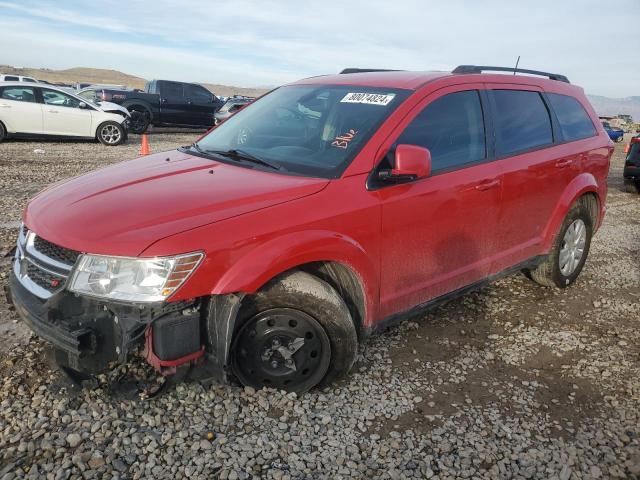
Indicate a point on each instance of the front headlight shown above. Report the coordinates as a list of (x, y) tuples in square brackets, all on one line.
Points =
[(132, 279)]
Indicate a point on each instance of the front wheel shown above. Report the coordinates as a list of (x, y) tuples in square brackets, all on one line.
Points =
[(111, 133), (569, 253), (294, 334), (3, 132)]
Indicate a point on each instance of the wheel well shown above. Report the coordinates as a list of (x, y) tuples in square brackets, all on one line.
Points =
[(346, 282), (592, 204), (139, 107)]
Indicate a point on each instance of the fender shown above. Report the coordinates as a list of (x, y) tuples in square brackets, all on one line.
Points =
[(583, 183), (283, 253)]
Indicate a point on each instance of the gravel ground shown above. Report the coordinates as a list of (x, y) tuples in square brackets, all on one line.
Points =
[(514, 381)]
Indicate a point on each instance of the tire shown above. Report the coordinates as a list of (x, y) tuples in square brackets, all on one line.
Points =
[(140, 120), (550, 273), (620, 139), (295, 306), (3, 133), (631, 185), (111, 133)]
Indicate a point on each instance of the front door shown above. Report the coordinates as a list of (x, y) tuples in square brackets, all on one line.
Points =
[(438, 233), (63, 115)]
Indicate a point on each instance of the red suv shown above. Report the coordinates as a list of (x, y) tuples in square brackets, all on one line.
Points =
[(322, 212)]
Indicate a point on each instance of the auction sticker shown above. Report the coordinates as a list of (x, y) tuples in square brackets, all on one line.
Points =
[(368, 98)]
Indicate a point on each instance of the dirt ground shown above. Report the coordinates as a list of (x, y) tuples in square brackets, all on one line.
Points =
[(534, 382)]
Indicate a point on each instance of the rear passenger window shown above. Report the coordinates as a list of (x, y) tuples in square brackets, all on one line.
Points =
[(172, 90), (18, 94), (522, 121), (452, 128), (573, 119)]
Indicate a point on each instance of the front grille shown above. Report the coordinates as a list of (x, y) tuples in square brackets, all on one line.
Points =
[(41, 266), (51, 250), (44, 279)]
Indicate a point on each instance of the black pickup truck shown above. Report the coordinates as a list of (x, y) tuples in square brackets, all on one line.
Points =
[(161, 103)]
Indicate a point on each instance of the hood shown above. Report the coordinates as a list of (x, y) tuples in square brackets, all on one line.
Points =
[(113, 107), (124, 208)]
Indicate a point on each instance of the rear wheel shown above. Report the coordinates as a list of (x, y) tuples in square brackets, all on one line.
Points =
[(140, 120), (632, 185), (569, 253), (3, 132), (294, 334), (111, 133)]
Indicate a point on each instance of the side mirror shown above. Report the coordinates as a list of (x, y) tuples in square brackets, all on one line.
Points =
[(411, 163), (82, 105)]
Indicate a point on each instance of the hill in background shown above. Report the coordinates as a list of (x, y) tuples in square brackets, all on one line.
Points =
[(603, 105), (98, 75)]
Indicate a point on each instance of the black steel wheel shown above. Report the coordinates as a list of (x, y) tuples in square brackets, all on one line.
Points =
[(281, 348)]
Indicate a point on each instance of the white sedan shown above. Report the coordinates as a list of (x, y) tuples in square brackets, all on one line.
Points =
[(39, 111)]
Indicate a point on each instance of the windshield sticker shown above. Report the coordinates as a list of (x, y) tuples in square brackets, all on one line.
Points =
[(368, 98), (342, 141)]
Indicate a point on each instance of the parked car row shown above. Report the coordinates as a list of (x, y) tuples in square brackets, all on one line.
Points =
[(36, 110), (162, 103), (615, 134), (325, 211), (74, 114)]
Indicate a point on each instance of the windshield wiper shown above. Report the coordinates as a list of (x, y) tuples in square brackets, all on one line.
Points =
[(242, 155)]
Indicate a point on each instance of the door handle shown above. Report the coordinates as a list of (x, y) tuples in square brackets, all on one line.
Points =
[(4, 105), (487, 184), (565, 162), (53, 111)]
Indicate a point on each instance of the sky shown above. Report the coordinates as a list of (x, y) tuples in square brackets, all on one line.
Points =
[(267, 43)]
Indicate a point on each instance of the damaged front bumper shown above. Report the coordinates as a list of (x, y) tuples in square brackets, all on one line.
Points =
[(90, 335)]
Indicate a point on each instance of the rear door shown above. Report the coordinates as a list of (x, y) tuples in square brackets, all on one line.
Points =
[(438, 233), (534, 171), (173, 105), (200, 105), (63, 115), (19, 110)]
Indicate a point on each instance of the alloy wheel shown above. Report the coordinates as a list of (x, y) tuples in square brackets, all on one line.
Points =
[(572, 247), (110, 134)]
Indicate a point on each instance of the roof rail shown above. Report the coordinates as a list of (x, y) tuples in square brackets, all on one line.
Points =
[(483, 68), (366, 70)]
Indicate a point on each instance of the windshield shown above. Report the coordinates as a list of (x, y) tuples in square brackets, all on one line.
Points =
[(313, 130)]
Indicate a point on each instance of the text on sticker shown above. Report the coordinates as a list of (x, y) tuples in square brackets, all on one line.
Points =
[(342, 141), (368, 98)]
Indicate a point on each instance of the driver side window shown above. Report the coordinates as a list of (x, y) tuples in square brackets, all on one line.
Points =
[(59, 99), (452, 128)]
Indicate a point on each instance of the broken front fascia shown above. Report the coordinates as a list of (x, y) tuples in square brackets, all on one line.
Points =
[(91, 335)]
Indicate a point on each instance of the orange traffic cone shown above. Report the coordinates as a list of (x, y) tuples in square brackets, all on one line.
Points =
[(144, 148), (627, 147)]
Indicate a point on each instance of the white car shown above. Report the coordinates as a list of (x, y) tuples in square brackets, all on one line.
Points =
[(37, 110), (16, 78)]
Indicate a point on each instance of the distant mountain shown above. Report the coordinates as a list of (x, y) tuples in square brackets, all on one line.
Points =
[(615, 106), (603, 105), (114, 77)]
